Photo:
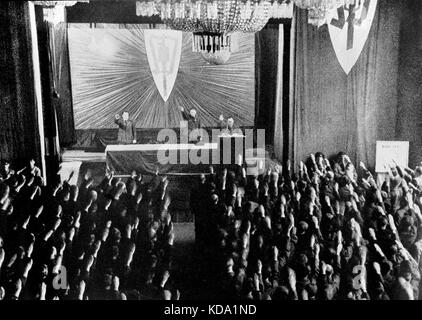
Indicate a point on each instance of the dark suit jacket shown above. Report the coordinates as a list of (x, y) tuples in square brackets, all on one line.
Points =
[(127, 131)]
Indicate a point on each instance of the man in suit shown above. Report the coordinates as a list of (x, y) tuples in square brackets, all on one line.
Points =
[(127, 133), (228, 128), (193, 122)]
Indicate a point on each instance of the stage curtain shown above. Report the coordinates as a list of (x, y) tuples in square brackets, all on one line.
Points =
[(409, 124), (266, 60), (278, 112), (19, 134), (59, 55), (334, 112)]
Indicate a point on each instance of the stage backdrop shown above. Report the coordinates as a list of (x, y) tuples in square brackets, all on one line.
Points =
[(111, 73)]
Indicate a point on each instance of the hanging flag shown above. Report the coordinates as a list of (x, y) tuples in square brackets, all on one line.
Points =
[(349, 27), (164, 48)]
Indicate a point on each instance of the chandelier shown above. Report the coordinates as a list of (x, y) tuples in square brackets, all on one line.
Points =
[(215, 23), (318, 10)]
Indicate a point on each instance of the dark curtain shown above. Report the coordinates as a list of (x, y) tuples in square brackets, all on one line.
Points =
[(409, 116), (59, 53), (266, 60), (19, 135), (334, 112)]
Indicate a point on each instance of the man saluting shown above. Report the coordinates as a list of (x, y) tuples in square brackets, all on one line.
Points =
[(127, 132), (193, 123), (191, 118)]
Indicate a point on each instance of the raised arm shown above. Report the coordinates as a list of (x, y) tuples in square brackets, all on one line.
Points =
[(185, 114), (119, 122)]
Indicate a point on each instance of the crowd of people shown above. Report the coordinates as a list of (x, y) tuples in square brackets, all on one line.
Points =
[(329, 231), (108, 241)]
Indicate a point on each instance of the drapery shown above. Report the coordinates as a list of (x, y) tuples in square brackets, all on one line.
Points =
[(409, 117), (334, 112), (266, 53), (278, 112), (19, 132), (272, 55), (59, 55)]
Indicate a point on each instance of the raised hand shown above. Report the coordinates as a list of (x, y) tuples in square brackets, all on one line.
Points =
[(377, 268), (372, 234), (323, 267), (283, 200), (315, 221), (327, 201), (259, 266), (298, 196), (116, 283), (275, 253), (166, 276), (336, 187)]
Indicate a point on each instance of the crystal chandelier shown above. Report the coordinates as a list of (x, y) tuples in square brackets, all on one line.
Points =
[(214, 23), (318, 10)]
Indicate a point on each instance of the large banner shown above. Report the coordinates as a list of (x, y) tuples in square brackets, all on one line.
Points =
[(163, 51), (349, 27), (151, 73)]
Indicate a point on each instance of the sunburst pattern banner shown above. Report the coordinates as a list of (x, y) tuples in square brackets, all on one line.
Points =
[(111, 74)]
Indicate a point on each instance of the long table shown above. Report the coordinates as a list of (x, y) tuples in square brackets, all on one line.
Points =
[(148, 158)]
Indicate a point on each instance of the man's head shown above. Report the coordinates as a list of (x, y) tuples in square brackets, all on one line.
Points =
[(31, 163), (5, 165), (125, 116), (193, 113), (394, 170), (230, 122), (202, 178), (418, 171)]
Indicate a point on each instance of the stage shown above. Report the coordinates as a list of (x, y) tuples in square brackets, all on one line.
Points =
[(182, 177)]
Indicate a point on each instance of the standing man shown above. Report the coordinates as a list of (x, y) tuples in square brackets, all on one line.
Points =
[(228, 127), (193, 122), (127, 133)]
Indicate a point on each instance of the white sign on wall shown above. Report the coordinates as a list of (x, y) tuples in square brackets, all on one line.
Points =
[(349, 27), (389, 152)]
